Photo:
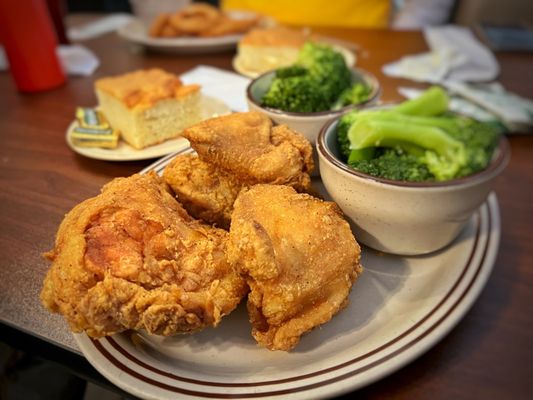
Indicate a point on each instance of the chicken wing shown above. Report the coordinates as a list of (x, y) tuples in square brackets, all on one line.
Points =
[(299, 258), (246, 146), (204, 191), (132, 258)]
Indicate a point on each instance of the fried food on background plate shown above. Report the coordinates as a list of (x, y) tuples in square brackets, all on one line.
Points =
[(204, 191), (200, 20), (132, 258), (247, 146), (299, 257), (227, 26)]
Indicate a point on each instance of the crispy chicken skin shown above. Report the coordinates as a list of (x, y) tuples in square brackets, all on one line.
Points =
[(132, 258), (247, 146), (299, 258), (204, 191)]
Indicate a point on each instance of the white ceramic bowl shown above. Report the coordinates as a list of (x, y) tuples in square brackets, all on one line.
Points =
[(308, 124), (407, 218)]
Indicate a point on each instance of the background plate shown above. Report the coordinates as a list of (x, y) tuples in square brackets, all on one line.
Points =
[(348, 55), (399, 308), (136, 32)]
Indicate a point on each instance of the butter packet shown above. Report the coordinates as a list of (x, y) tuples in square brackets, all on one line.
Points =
[(91, 118), (93, 130)]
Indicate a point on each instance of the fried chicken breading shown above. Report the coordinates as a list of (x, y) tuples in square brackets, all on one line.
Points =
[(201, 20), (299, 258), (204, 191), (132, 258), (246, 146), (236, 151)]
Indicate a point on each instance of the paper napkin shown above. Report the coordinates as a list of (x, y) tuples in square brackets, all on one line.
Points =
[(223, 85), (455, 55)]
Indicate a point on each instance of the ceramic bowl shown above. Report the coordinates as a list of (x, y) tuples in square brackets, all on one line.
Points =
[(308, 124), (406, 218)]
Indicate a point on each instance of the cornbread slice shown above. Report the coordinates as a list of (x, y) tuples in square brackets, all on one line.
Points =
[(266, 49), (148, 106)]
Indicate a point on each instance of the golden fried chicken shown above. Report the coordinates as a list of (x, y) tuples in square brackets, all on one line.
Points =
[(299, 258), (204, 191), (132, 258), (247, 146)]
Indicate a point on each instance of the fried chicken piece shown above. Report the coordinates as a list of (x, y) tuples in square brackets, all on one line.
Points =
[(204, 192), (246, 146), (195, 18), (227, 25), (299, 258), (132, 258)]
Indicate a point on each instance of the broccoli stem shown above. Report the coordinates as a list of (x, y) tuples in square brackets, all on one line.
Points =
[(361, 154), (433, 101), (449, 125), (443, 155)]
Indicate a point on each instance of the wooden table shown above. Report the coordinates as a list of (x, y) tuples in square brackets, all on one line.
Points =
[(488, 355)]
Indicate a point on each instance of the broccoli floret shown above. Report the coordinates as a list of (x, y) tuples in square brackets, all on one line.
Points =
[(290, 71), (342, 132), (295, 94), (328, 67), (391, 144), (311, 85), (480, 139), (355, 94), (394, 164)]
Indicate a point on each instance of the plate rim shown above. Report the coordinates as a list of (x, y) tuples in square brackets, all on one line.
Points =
[(199, 43), (349, 56), (488, 215)]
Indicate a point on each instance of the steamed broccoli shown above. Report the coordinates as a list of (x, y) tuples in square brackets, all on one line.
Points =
[(410, 142), (355, 94), (313, 84), (394, 164), (295, 94)]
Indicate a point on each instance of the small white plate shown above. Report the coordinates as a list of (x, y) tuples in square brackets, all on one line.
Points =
[(348, 55), (124, 152), (399, 308), (136, 32)]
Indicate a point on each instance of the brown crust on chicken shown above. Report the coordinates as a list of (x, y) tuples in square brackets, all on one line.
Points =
[(132, 258)]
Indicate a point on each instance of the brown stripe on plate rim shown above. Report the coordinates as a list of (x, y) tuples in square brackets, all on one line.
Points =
[(347, 375), (316, 373), (330, 369), (151, 368)]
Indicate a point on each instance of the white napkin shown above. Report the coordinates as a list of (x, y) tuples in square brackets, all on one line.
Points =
[(99, 27), (456, 55), (75, 59), (220, 84)]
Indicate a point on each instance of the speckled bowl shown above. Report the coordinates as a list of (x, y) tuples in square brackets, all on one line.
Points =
[(404, 218), (308, 124)]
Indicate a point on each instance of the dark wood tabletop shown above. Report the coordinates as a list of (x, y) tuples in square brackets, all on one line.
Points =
[(488, 355)]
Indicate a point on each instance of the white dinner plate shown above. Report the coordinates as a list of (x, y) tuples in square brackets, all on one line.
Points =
[(238, 66), (136, 32), (210, 107), (399, 308)]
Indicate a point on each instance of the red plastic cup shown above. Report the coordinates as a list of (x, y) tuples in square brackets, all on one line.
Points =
[(30, 43)]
